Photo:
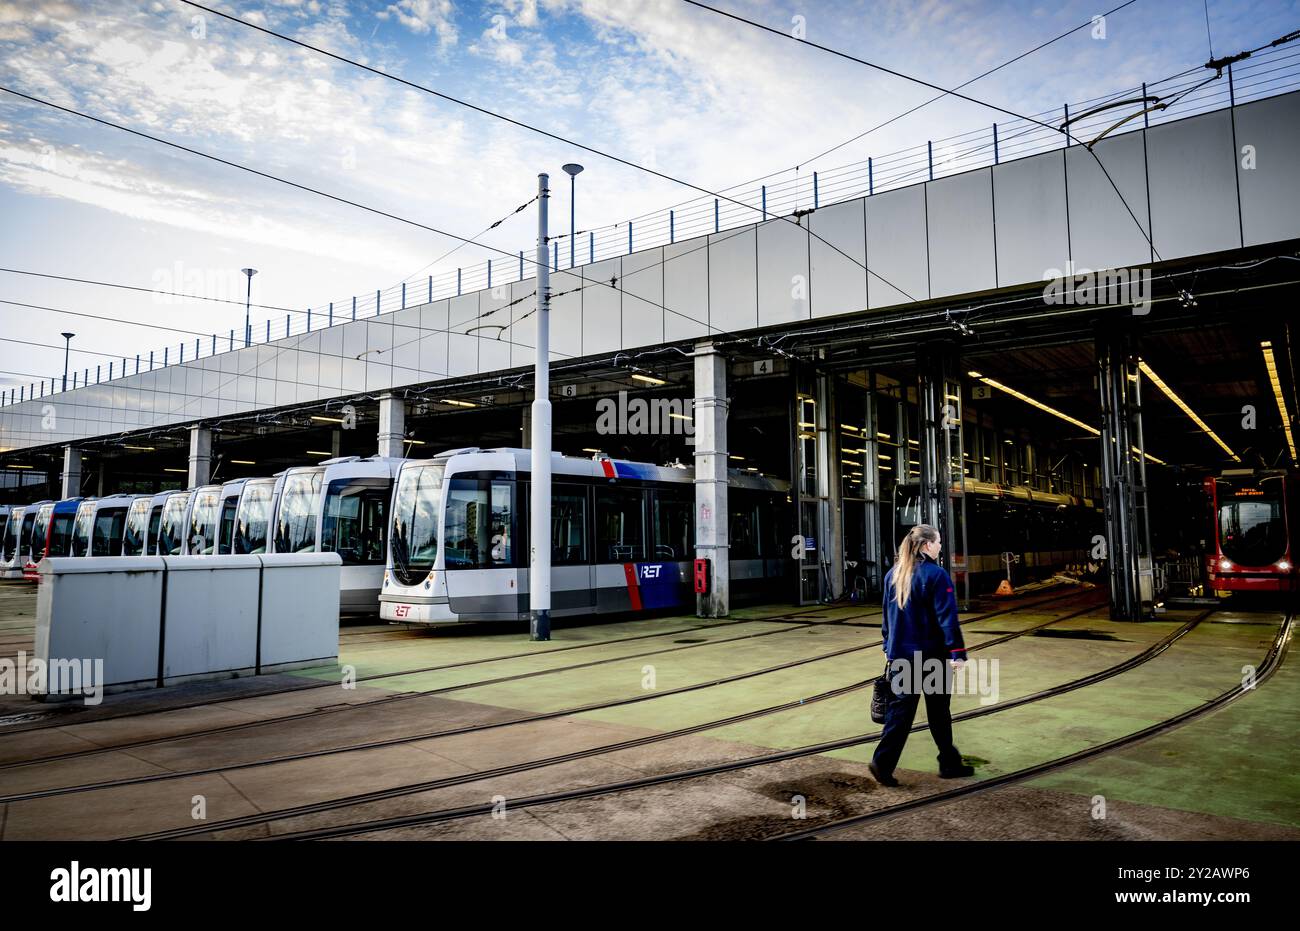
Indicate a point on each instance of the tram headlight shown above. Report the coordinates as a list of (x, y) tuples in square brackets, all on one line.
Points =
[(1284, 565), (1225, 564)]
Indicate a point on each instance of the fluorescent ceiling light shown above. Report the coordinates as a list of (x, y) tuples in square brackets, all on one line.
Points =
[(1169, 393)]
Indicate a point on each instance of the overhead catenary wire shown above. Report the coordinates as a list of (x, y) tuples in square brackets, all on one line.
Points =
[(334, 197), (520, 124)]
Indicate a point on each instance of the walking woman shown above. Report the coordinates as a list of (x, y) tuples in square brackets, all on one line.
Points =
[(921, 636)]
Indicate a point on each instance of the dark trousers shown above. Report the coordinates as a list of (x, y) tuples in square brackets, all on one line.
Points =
[(898, 723)]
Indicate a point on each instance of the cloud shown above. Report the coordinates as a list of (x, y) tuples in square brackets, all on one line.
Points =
[(424, 16)]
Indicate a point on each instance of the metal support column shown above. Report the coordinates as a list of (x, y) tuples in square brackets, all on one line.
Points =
[(940, 421), (392, 425), (200, 468), (1123, 475), (70, 477), (711, 540)]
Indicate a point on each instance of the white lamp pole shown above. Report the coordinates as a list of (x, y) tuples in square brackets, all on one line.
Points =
[(539, 539)]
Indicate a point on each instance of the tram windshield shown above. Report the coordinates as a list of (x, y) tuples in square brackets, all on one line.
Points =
[(40, 528), (137, 528), (354, 520), (171, 528), (25, 533), (106, 536), (252, 517), (415, 522), (1252, 529), (81, 528), (295, 519), (205, 517), (61, 533), (11, 536)]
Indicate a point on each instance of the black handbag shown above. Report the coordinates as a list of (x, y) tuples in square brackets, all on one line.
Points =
[(881, 694)]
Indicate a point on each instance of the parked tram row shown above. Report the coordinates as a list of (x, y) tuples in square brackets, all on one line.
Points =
[(445, 539)]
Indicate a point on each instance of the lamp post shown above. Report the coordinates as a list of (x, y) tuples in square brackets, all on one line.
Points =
[(539, 540), (67, 347), (248, 303), (572, 170)]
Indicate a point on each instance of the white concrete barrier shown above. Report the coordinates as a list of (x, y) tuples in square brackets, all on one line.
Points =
[(299, 610), (162, 620), (209, 618), (107, 609)]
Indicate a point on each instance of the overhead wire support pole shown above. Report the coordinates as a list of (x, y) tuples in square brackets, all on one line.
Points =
[(539, 537)]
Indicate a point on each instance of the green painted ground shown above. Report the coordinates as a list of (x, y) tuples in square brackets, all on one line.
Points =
[(1239, 761)]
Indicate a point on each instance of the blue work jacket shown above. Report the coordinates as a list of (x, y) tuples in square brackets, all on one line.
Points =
[(928, 624)]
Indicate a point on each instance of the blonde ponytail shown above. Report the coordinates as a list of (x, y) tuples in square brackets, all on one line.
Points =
[(909, 554)]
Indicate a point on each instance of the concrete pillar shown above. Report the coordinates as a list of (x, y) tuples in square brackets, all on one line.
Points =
[(392, 425), (70, 477), (711, 478), (939, 407), (1123, 477), (827, 418), (200, 471)]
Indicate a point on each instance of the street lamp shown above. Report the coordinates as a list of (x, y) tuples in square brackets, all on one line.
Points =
[(67, 347), (572, 170), (248, 303)]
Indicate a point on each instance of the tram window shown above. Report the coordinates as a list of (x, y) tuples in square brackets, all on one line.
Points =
[(61, 535), (354, 523), (620, 527), (479, 524), (252, 517), (673, 525), (415, 522), (743, 530), (295, 521), (108, 532), (204, 517), (226, 538), (1251, 532), (137, 519), (569, 526), (81, 530), (171, 530), (155, 525)]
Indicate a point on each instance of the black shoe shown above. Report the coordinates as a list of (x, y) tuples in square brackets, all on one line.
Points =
[(956, 772), (882, 778)]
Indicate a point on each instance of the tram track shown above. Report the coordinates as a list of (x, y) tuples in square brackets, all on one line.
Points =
[(543, 716), (463, 812), (313, 684), (396, 697), (405, 696), (415, 788), (1272, 662)]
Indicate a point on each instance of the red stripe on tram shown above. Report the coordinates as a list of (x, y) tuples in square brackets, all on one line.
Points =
[(633, 591)]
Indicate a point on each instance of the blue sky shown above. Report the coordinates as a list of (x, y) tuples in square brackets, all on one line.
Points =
[(658, 82)]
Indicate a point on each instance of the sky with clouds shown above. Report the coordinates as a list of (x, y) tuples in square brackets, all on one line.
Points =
[(658, 82)]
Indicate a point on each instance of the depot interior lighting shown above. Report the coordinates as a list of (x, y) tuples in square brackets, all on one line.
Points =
[(1270, 363), (140, 449), (1182, 405), (413, 442), (648, 379), (317, 452), (738, 458), (457, 403), (181, 471), (321, 418), (1033, 402), (242, 462), (678, 416), (16, 466)]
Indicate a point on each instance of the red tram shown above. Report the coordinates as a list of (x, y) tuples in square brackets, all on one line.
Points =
[(1256, 518)]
